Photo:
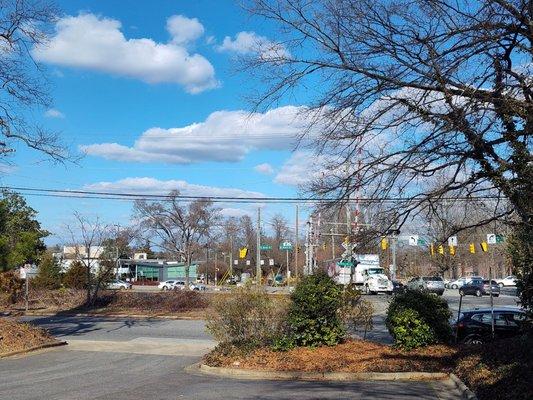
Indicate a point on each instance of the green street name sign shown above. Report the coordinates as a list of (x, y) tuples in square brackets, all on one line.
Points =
[(285, 246), (345, 263), (265, 247)]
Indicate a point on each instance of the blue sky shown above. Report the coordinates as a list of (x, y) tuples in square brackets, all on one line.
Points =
[(160, 71)]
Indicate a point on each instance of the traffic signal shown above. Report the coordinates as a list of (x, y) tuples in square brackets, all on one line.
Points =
[(243, 252), (441, 249), (432, 249), (452, 250), (324, 246), (472, 248), (484, 246), (384, 243)]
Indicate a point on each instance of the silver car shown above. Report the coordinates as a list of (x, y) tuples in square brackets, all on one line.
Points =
[(433, 284)]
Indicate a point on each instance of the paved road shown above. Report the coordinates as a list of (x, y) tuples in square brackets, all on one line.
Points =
[(124, 358)]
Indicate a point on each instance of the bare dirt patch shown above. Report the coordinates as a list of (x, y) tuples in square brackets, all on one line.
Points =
[(16, 336)]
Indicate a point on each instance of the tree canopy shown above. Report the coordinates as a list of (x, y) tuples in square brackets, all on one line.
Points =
[(21, 235)]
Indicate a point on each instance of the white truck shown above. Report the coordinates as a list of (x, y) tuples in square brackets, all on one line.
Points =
[(367, 274)]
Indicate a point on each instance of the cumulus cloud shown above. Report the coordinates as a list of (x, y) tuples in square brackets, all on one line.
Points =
[(301, 168), (145, 185), (96, 43), (264, 168), (53, 113), (184, 30), (250, 42), (224, 136)]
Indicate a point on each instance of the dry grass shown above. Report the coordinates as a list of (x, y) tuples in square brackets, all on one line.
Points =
[(16, 336)]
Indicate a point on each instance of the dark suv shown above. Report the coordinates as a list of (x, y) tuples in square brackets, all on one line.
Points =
[(474, 326), (480, 287)]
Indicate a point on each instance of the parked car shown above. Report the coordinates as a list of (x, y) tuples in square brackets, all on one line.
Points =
[(167, 285), (475, 326), (507, 281), (480, 287), (197, 286), (398, 287), (456, 284), (180, 285), (433, 284), (117, 284)]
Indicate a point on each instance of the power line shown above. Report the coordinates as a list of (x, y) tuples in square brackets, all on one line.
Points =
[(86, 194)]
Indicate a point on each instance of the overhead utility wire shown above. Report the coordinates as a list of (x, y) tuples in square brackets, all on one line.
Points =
[(226, 199)]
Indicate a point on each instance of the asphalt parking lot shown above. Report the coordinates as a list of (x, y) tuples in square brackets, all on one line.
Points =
[(126, 358)]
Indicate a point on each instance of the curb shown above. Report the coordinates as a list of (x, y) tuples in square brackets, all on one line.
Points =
[(34, 348), (467, 394), (316, 376), (144, 316)]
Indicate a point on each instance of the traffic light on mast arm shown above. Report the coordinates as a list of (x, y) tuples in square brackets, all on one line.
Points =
[(384, 243), (472, 248), (484, 246)]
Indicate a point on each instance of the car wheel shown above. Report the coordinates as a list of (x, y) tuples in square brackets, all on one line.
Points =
[(164, 288), (454, 286), (461, 292), (478, 293), (389, 293), (501, 284), (122, 287), (495, 295)]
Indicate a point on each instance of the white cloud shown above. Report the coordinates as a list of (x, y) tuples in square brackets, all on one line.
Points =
[(96, 43), (224, 136), (145, 185), (235, 212), (184, 30), (264, 168), (301, 168), (251, 42), (53, 113)]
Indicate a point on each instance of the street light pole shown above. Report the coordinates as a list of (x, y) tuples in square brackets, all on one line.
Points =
[(258, 250)]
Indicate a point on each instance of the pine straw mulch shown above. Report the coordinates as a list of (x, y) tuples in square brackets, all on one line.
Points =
[(16, 336), (499, 370), (350, 356)]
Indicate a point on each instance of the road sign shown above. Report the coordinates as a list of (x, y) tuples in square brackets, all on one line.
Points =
[(491, 238), (247, 262), (345, 263), (413, 240), (265, 247), (262, 262), (421, 242), (236, 262), (499, 238), (285, 246), (452, 241), (271, 262)]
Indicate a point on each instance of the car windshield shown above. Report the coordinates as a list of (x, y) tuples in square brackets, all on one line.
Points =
[(486, 282), (432, 278), (374, 271)]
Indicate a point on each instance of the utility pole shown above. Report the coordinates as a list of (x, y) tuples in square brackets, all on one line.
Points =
[(332, 245), (231, 258), (296, 243), (288, 273), (258, 250), (216, 267)]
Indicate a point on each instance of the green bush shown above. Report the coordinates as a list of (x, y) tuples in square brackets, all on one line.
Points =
[(431, 310), (410, 331), (49, 275), (76, 276), (247, 317), (314, 318)]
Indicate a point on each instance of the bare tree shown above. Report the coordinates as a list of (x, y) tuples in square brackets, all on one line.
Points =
[(180, 228), (407, 90), (25, 24), (88, 236)]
